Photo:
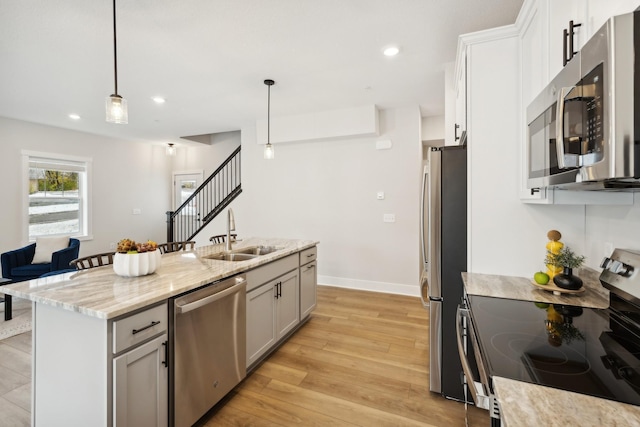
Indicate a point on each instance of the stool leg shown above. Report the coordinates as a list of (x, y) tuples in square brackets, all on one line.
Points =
[(7, 307)]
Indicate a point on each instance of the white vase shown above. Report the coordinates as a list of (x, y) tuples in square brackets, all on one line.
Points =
[(133, 265)]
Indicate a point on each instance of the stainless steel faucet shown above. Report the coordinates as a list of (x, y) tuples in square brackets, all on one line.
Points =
[(231, 226)]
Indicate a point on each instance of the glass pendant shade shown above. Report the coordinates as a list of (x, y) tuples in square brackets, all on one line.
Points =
[(268, 151), (117, 110), (171, 150)]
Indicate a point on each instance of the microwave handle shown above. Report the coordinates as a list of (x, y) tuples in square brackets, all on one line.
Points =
[(562, 164), (478, 393)]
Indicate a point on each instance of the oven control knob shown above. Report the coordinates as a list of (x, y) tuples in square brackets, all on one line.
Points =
[(620, 268)]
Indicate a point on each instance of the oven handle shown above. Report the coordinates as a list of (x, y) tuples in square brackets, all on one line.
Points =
[(562, 164), (478, 393)]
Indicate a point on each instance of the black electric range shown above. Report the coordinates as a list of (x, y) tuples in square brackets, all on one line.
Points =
[(583, 350)]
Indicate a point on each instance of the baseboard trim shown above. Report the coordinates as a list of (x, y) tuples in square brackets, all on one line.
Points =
[(367, 285)]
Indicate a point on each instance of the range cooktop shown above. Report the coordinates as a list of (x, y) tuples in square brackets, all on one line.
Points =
[(585, 350)]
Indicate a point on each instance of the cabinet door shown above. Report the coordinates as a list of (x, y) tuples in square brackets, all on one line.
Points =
[(533, 57), (601, 10), (308, 283), (288, 303), (261, 330), (140, 386), (560, 13), (461, 99)]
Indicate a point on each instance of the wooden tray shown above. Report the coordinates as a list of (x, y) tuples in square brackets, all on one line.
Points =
[(551, 287)]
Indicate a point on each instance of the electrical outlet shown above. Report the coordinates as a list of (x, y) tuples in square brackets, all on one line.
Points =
[(380, 195), (389, 218), (136, 211)]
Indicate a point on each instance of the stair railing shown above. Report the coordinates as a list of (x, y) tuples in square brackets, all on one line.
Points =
[(207, 201)]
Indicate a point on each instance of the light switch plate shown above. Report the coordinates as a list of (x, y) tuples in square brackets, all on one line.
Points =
[(389, 218), (380, 195)]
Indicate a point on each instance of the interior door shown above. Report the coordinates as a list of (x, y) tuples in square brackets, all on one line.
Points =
[(184, 185)]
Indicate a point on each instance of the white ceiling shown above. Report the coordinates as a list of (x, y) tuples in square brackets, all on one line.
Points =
[(209, 58)]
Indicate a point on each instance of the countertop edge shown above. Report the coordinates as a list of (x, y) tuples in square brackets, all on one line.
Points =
[(525, 401)]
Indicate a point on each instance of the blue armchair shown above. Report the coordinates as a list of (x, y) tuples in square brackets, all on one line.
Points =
[(17, 266)]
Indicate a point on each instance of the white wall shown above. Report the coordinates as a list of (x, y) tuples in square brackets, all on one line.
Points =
[(611, 226), (506, 236), (126, 175), (326, 191), (433, 128)]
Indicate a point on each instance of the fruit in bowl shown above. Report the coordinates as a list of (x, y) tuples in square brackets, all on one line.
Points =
[(128, 246), (136, 259), (541, 278)]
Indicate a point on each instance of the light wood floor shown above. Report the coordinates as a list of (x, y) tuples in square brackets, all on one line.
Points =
[(361, 360)]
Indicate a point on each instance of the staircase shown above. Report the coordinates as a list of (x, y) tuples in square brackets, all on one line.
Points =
[(210, 199)]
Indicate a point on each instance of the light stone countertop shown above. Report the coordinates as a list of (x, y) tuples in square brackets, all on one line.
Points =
[(520, 288), (523, 404), (99, 292)]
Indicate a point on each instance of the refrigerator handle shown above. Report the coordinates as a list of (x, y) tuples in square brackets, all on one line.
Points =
[(426, 251)]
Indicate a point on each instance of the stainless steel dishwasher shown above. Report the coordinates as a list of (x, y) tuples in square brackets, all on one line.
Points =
[(208, 344)]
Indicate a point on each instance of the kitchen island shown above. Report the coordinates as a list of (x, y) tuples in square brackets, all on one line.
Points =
[(525, 404), (91, 327)]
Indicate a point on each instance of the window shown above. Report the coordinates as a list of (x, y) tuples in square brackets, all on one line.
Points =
[(57, 189)]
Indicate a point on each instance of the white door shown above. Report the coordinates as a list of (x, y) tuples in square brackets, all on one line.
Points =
[(184, 185)]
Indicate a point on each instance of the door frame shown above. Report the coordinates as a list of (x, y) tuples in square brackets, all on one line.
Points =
[(174, 175)]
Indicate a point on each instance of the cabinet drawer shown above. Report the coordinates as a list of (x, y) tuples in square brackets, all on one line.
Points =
[(139, 327), (308, 255), (264, 273)]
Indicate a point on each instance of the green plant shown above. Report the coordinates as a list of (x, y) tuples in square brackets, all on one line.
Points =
[(565, 258)]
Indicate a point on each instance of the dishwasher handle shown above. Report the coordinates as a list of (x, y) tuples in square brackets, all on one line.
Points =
[(181, 309)]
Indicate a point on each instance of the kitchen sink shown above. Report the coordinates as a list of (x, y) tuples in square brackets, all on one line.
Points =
[(256, 250), (230, 256), (243, 254)]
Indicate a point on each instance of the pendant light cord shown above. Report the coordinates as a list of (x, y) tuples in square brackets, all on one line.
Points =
[(115, 49), (269, 114)]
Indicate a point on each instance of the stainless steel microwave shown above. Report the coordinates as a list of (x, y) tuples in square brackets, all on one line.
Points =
[(584, 128)]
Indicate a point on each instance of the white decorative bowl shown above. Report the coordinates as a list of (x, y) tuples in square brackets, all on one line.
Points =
[(134, 265)]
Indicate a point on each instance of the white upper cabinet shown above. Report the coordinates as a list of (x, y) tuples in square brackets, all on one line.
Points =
[(598, 11), (587, 15), (560, 14), (461, 99)]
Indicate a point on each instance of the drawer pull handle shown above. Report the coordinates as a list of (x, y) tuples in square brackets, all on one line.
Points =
[(165, 362), (310, 255), (309, 267), (151, 325)]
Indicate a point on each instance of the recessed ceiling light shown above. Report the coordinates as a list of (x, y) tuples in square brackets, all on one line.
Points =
[(391, 51), (74, 116), (158, 100)]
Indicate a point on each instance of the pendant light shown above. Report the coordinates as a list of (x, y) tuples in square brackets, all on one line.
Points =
[(268, 149), (116, 105), (170, 150)]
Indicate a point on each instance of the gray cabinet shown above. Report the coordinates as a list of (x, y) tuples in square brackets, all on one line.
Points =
[(272, 312), (96, 372), (308, 281), (140, 371), (140, 386)]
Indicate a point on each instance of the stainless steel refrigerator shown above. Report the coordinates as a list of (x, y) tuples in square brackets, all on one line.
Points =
[(444, 249)]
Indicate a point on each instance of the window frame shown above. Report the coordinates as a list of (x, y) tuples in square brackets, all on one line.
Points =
[(85, 193)]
